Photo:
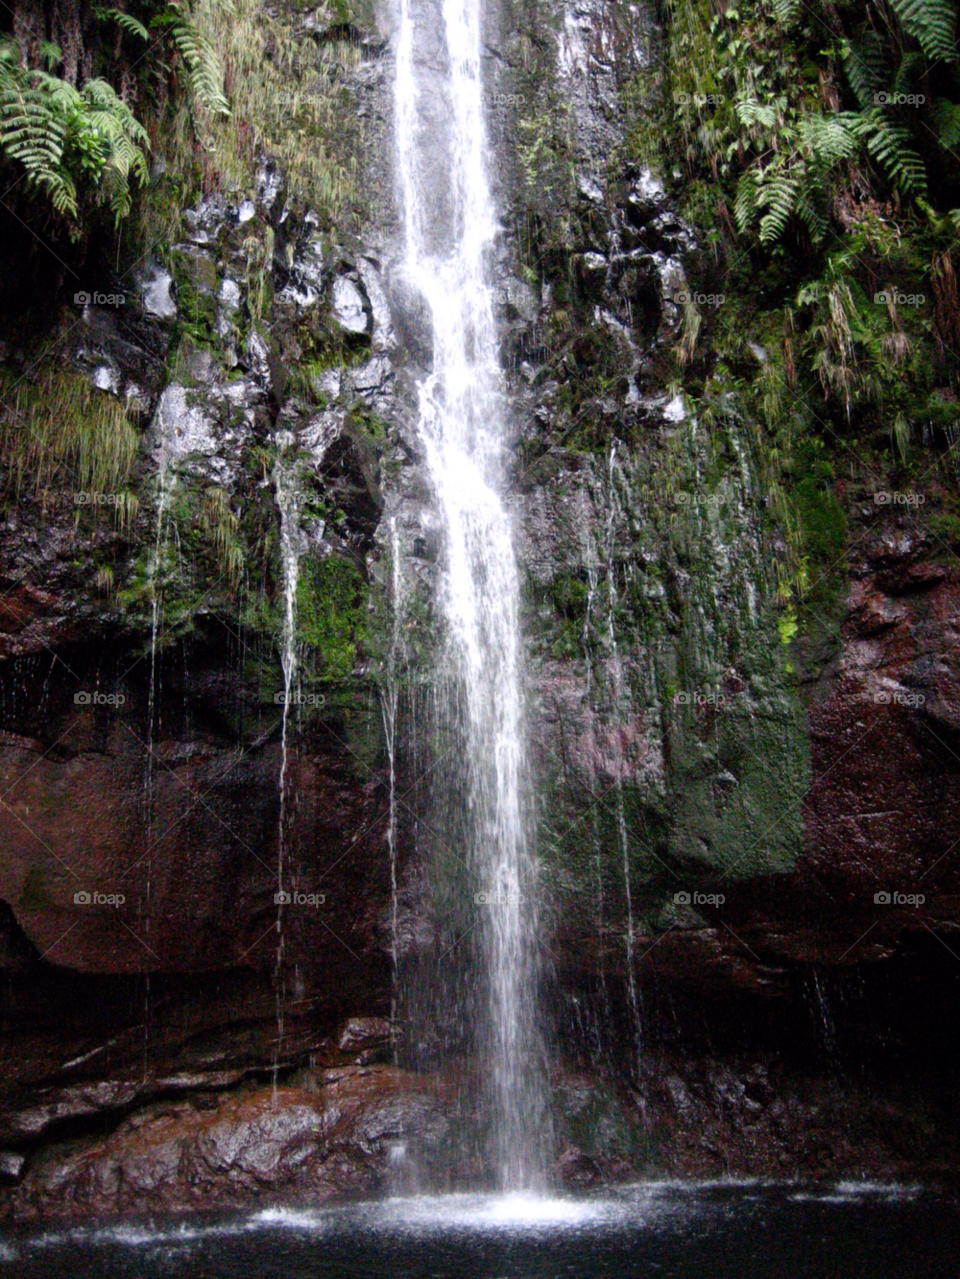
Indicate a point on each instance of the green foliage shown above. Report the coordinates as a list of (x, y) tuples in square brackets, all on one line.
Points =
[(222, 525), (127, 21), (71, 142), (331, 613), (288, 102), (199, 55), (932, 23), (822, 521), (946, 528), (755, 100), (60, 433)]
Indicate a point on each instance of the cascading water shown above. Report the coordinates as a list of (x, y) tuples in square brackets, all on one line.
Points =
[(614, 515), (156, 612), (389, 698), (290, 547), (450, 225)]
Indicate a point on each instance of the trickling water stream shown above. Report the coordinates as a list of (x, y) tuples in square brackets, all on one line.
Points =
[(449, 229), (389, 698), (290, 548)]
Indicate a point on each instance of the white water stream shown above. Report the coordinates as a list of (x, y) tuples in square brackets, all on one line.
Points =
[(287, 494), (449, 227)]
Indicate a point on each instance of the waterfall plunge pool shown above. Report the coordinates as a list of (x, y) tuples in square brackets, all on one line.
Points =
[(717, 1230)]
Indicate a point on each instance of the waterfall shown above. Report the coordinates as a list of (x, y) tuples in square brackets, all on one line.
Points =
[(156, 611), (615, 514), (290, 547), (389, 697), (449, 229)]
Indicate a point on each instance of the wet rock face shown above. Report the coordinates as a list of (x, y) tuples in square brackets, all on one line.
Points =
[(292, 1144), (673, 751), (102, 883)]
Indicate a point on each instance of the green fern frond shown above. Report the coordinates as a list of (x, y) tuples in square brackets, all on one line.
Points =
[(911, 65), (826, 139), (61, 135), (200, 57), (932, 23), (891, 145), (867, 66), (811, 215), (745, 205), (785, 11), (777, 193), (127, 21)]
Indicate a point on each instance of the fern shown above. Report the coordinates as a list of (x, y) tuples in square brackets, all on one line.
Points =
[(745, 205), (33, 132), (865, 63), (127, 21), (200, 57), (891, 145), (64, 136), (777, 193), (946, 118), (785, 11), (932, 23)]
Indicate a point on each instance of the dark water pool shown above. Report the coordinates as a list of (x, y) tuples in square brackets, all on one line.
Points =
[(716, 1231)]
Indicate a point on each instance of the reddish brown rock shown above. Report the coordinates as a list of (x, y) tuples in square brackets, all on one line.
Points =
[(289, 1144)]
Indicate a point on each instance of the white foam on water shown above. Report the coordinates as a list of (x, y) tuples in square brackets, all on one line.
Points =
[(853, 1192), (640, 1206)]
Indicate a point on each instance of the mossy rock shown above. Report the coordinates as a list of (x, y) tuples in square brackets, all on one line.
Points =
[(332, 614)]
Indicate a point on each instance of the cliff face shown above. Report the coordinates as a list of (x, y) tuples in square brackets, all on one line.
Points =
[(722, 791)]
